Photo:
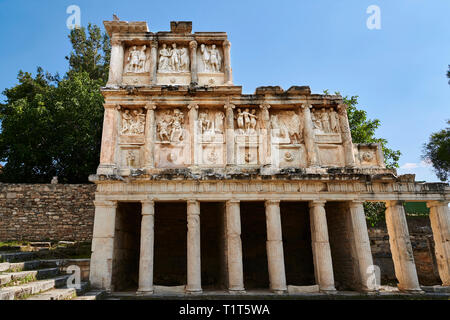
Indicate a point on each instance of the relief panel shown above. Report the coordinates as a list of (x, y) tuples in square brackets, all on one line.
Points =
[(137, 66)]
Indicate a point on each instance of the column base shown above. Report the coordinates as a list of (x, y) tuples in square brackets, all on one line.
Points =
[(279, 291), (194, 291), (328, 290), (145, 292), (237, 291), (413, 291)]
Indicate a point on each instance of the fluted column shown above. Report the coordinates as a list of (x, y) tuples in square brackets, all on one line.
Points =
[(194, 269), (440, 223), (147, 248), (346, 136), (309, 136), (275, 255), (401, 249), (116, 64), (234, 247), (194, 70), (361, 244), (109, 137), (229, 121), (154, 62), (103, 245), (150, 136), (227, 62), (323, 264)]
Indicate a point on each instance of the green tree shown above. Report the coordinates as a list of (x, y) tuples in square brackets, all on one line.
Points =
[(448, 74), (437, 151), (52, 126)]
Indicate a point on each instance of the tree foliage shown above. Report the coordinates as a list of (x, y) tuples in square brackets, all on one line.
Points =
[(52, 126), (437, 151)]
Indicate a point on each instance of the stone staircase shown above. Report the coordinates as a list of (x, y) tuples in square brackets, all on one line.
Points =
[(23, 277)]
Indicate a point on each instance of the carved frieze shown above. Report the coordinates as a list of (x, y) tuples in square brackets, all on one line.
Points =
[(170, 126), (173, 60), (137, 60), (210, 59), (133, 121), (325, 121)]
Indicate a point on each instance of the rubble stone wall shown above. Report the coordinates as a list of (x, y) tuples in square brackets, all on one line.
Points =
[(38, 212)]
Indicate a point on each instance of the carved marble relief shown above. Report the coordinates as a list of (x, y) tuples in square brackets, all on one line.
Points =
[(174, 59), (170, 127), (246, 121), (286, 127), (325, 121), (133, 122), (137, 60), (210, 132), (210, 59)]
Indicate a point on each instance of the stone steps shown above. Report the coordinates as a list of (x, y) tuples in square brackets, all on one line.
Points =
[(32, 288), (31, 275), (33, 265), (17, 256), (55, 294)]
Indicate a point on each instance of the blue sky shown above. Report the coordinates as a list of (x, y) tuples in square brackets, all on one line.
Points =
[(398, 71)]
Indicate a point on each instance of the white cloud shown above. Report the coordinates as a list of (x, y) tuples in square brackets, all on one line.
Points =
[(412, 165)]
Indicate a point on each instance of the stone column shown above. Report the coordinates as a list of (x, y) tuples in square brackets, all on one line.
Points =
[(234, 247), (440, 223), (147, 248), (401, 249), (346, 136), (275, 255), (103, 245), (227, 62), (194, 269), (309, 136), (194, 70), (116, 64), (361, 244), (193, 131), (150, 136), (323, 265), (154, 62), (229, 124), (109, 137)]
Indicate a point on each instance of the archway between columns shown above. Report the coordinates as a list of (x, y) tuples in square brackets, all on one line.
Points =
[(254, 237), (125, 272), (298, 256), (170, 257)]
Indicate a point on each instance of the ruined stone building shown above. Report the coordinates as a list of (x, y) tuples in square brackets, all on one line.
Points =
[(205, 188)]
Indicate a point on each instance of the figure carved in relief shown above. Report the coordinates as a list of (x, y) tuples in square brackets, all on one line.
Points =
[(334, 122), (277, 130), (287, 125), (212, 61), (137, 60), (134, 123), (177, 129), (240, 120), (204, 123), (164, 57), (325, 121), (317, 123), (173, 60), (163, 130), (246, 121), (218, 122), (131, 159)]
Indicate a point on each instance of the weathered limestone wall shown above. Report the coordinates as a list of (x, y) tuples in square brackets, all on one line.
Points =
[(46, 212), (423, 249)]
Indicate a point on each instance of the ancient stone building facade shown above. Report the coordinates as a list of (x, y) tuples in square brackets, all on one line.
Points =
[(203, 187)]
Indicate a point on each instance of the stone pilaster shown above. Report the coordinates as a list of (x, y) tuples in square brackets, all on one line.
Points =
[(323, 265), (109, 137), (150, 138), (103, 245), (154, 62), (267, 148), (401, 249), (194, 270), (309, 137), (346, 136), (193, 131), (227, 62), (361, 245), (275, 254), (440, 223), (194, 69), (229, 122), (147, 248), (234, 247), (116, 64)]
